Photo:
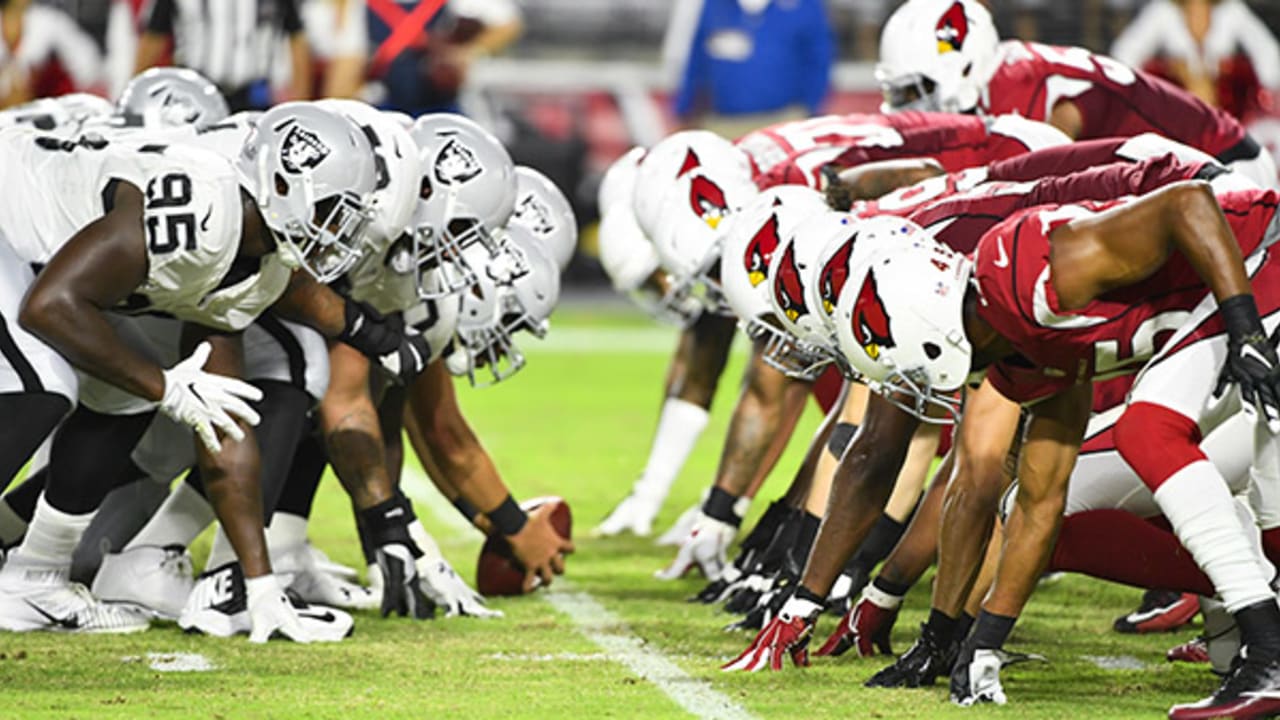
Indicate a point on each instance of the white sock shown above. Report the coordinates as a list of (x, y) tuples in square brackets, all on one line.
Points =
[(1264, 477), (426, 543), (1199, 507), (183, 516), (679, 426), (286, 530), (221, 553), (12, 526), (52, 535)]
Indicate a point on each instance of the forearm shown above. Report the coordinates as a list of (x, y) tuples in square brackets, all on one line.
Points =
[(906, 491), (918, 547), (758, 426), (1202, 235), (870, 181), (309, 303), (82, 334), (352, 433)]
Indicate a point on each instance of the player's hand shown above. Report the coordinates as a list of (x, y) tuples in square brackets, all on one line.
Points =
[(208, 402), (866, 627), (539, 548), (1251, 361), (706, 547), (449, 591), (383, 338), (401, 590), (270, 611), (921, 665), (408, 360), (786, 634)]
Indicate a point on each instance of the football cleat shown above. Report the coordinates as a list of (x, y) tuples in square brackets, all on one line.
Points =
[(34, 597), (634, 514), (1195, 650), (976, 679), (1160, 611), (219, 606), (314, 585), (676, 534), (1250, 690), (321, 561), (866, 627), (920, 665), (156, 580)]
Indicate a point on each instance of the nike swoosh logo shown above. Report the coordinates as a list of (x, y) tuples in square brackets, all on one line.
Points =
[(326, 616), (1002, 258), (1250, 351), (68, 623)]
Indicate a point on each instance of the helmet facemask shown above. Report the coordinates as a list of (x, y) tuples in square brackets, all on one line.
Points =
[(331, 241)]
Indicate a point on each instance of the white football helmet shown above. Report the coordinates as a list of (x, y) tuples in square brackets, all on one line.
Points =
[(673, 158), (619, 181), (900, 324), (171, 97), (690, 233), (468, 191), (844, 245), (311, 172), (792, 269), (631, 262), (543, 209), (516, 291), (751, 237), (937, 55)]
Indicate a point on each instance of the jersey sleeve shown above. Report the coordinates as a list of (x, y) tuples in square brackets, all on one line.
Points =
[(1111, 181), (1025, 384)]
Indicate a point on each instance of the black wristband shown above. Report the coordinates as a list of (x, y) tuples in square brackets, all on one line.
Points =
[(1240, 315), (468, 510), (719, 505), (508, 519), (387, 523), (368, 331), (991, 630), (805, 593)]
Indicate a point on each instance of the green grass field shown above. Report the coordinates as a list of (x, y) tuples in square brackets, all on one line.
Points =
[(577, 422)]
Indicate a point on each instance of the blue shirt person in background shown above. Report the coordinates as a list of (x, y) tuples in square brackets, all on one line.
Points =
[(743, 64)]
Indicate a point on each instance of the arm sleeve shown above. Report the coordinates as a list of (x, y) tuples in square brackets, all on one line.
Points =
[(157, 17), (1110, 181), (1060, 160), (818, 51)]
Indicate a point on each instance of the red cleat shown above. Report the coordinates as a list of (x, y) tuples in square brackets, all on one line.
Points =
[(1160, 611), (1195, 650), (1252, 690)]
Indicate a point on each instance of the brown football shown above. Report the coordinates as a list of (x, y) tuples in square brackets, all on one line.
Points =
[(498, 572)]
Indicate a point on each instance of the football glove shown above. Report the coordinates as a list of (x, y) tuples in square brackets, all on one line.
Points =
[(1251, 361), (706, 547), (786, 634), (401, 353), (449, 591), (866, 627), (206, 401), (920, 665), (976, 677), (401, 590), (270, 611), (634, 514)]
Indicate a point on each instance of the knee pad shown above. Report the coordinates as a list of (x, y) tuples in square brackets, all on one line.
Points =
[(1156, 441)]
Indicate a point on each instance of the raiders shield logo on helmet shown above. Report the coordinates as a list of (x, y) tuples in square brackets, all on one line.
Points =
[(952, 29), (534, 215), (870, 321), (760, 251), (177, 109), (788, 290), (456, 163), (706, 199), (834, 273), (302, 150)]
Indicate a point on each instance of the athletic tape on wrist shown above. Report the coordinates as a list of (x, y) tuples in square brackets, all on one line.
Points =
[(720, 506), (508, 519)]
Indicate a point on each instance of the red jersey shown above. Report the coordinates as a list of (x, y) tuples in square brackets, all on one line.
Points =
[(1114, 100), (955, 141), (958, 211), (1114, 334), (773, 144)]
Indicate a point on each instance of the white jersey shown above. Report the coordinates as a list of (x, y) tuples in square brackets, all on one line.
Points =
[(192, 220), (387, 280)]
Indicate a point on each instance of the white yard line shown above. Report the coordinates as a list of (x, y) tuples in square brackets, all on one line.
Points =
[(603, 628)]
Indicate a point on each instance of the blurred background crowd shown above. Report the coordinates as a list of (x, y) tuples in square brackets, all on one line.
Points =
[(569, 85)]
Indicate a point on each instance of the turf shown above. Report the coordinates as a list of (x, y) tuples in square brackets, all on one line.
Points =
[(577, 422)]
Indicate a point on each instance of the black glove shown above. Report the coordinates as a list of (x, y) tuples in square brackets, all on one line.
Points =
[(402, 353), (1251, 360), (385, 528)]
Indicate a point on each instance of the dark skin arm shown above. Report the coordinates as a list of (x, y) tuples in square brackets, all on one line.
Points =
[(65, 306), (1092, 256), (1048, 455), (859, 490), (699, 360), (310, 303), (440, 433), (352, 433), (973, 492), (871, 180), (1067, 118), (231, 477)]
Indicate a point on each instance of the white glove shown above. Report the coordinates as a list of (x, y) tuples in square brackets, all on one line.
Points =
[(634, 514), (205, 401), (451, 592), (707, 547), (270, 611)]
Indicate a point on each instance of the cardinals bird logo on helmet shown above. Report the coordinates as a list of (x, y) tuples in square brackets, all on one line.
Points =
[(707, 201), (456, 163), (302, 150), (760, 251), (788, 290), (870, 321), (834, 273), (953, 28), (691, 161)]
